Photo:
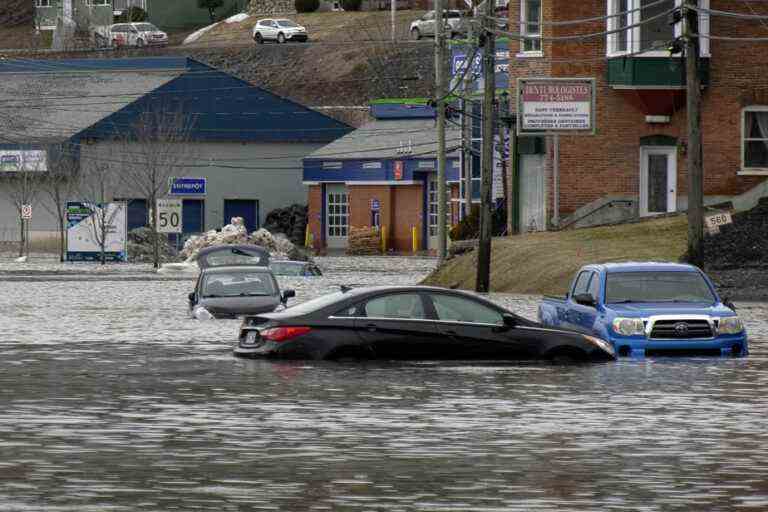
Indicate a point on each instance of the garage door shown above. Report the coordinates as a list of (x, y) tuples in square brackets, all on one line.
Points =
[(248, 209), (193, 216)]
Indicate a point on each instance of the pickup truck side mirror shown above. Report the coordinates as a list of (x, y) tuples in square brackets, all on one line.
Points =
[(287, 294), (584, 299), (727, 303), (191, 297)]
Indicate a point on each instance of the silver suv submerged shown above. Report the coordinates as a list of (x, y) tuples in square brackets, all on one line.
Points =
[(455, 25)]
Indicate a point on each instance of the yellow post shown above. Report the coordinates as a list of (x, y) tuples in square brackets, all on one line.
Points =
[(383, 239), (415, 239), (308, 237)]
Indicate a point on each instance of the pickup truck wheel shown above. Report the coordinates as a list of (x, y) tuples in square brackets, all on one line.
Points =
[(566, 355), (415, 34), (280, 38), (258, 38)]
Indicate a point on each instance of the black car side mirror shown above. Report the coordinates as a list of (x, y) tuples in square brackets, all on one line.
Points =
[(191, 297), (510, 321), (584, 299), (287, 294)]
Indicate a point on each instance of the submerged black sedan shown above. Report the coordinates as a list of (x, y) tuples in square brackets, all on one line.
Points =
[(411, 322)]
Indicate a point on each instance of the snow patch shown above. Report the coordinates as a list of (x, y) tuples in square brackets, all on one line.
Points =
[(184, 266), (22, 259), (194, 36), (237, 18)]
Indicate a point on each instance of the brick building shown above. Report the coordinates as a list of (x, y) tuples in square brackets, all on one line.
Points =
[(635, 164), (382, 174)]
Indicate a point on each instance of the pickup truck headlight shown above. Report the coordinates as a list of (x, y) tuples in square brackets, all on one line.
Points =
[(730, 325), (629, 326)]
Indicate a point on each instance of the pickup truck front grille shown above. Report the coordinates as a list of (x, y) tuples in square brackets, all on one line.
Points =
[(681, 330)]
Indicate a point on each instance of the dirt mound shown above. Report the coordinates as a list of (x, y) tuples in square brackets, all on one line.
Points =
[(741, 244)]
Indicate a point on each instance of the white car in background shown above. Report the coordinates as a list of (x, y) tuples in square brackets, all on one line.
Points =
[(278, 30), (137, 35)]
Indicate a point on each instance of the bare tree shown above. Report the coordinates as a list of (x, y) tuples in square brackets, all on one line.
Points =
[(21, 187), (59, 186), (157, 149), (97, 186)]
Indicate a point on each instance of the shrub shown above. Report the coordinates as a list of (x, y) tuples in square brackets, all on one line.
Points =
[(351, 5), (307, 5), (469, 227)]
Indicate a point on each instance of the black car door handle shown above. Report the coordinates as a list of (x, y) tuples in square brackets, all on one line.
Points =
[(451, 333), (371, 327)]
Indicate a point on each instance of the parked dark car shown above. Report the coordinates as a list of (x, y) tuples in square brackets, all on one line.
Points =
[(294, 268), (229, 255), (228, 292), (411, 322)]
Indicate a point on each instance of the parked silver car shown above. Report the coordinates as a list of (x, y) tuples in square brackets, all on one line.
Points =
[(455, 25), (229, 292), (278, 30), (137, 35)]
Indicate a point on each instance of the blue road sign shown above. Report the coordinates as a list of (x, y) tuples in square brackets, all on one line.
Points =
[(187, 186)]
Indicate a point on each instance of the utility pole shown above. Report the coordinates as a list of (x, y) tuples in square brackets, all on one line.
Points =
[(468, 121), (442, 227), (393, 11), (695, 155), (482, 283)]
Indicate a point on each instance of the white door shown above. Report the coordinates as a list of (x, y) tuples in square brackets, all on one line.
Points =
[(432, 211), (336, 216), (658, 180), (533, 212)]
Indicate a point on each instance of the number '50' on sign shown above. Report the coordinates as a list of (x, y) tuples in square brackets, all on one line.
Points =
[(169, 216)]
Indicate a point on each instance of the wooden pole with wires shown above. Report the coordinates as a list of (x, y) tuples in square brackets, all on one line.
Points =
[(695, 155), (440, 72), (482, 283)]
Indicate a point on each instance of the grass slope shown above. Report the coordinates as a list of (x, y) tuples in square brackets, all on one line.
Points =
[(544, 263)]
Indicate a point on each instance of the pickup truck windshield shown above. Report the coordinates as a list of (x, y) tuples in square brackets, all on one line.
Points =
[(656, 287)]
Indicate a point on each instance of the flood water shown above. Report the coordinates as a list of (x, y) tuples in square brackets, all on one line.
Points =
[(111, 398)]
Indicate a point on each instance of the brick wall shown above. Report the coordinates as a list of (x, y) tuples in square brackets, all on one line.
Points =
[(408, 206), (608, 163)]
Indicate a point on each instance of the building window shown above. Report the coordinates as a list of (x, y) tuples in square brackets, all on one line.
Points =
[(98, 2), (530, 25), (42, 3), (642, 27), (755, 138)]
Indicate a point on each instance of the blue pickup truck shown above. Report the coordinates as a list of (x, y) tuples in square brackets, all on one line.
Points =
[(648, 308)]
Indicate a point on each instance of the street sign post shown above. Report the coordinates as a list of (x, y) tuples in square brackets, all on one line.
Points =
[(169, 218), (26, 212)]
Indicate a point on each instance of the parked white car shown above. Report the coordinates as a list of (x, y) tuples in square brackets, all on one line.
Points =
[(455, 25), (278, 30), (137, 35)]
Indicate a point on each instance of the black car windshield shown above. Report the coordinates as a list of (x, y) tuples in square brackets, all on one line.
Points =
[(284, 268), (287, 23), (656, 286), (147, 27), (238, 284)]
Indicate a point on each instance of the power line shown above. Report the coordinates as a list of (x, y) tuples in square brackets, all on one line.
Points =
[(589, 20), (580, 37)]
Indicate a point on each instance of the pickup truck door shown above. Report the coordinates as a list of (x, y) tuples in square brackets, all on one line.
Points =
[(581, 317)]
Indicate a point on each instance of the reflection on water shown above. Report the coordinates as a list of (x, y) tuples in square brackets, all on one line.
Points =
[(112, 399)]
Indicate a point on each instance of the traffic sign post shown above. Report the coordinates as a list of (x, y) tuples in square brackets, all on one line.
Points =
[(169, 218)]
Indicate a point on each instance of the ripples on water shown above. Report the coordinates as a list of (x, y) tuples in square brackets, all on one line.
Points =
[(112, 399)]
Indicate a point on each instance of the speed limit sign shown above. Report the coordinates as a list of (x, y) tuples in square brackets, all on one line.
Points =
[(26, 211), (168, 215)]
